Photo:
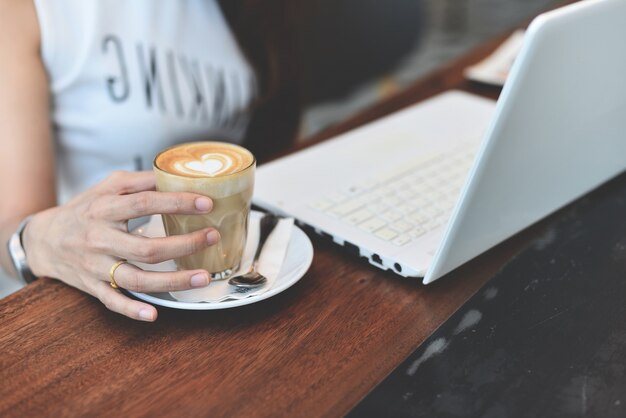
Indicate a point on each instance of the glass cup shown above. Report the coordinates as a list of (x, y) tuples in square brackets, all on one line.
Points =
[(231, 192)]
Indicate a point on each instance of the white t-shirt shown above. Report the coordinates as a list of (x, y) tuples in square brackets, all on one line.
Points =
[(131, 77)]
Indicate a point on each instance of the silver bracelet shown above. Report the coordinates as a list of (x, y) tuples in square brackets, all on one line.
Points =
[(18, 255)]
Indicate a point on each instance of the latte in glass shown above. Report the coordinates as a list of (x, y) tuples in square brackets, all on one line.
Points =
[(225, 173)]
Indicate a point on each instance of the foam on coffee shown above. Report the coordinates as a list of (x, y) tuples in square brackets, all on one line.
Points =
[(204, 159), (215, 169)]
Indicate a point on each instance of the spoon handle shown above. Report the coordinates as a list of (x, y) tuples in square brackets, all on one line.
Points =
[(268, 223)]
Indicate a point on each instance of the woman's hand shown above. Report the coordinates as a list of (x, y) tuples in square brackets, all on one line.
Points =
[(80, 241)]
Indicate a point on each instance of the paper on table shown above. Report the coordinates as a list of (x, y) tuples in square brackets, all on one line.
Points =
[(270, 262), (496, 67)]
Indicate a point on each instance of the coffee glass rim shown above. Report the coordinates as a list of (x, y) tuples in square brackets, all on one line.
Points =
[(252, 163)]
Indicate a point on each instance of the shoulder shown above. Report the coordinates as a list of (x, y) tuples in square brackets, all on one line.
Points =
[(19, 27)]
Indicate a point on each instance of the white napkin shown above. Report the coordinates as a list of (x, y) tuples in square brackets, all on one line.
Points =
[(270, 262), (496, 67)]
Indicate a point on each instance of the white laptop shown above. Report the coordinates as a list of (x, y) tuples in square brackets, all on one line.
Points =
[(428, 188)]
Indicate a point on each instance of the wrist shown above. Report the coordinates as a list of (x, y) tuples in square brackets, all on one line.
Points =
[(17, 254), (30, 239)]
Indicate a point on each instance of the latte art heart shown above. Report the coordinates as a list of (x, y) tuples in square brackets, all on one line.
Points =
[(209, 167), (205, 159), (211, 164)]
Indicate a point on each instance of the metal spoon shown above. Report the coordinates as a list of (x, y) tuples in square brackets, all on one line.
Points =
[(253, 278)]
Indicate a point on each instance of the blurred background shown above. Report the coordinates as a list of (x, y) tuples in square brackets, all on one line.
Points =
[(340, 80)]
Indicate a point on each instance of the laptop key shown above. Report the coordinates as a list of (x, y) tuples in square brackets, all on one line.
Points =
[(386, 234), (407, 193), (392, 200), (358, 216), (378, 207), (418, 217), (391, 215), (345, 208), (405, 208), (401, 226), (417, 232), (372, 224), (432, 211), (401, 240)]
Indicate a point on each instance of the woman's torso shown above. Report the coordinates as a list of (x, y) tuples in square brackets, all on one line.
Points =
[(129, 78)]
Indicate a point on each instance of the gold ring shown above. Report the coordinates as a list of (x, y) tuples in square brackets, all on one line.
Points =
[(114, 267)]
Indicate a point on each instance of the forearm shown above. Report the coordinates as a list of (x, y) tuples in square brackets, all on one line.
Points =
[(27, 175)]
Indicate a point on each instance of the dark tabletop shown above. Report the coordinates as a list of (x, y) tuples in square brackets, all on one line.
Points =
[(546, 337)]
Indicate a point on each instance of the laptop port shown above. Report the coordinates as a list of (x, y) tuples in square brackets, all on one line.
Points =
[(352, 249), (326, 235), (376, 259)]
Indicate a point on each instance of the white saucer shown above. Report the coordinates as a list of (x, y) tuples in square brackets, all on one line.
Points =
[(297, 261)]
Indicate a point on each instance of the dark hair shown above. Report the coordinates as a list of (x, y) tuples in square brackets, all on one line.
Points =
[(265, 32)]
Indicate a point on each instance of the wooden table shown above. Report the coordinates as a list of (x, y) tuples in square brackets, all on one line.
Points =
[(314, 350)]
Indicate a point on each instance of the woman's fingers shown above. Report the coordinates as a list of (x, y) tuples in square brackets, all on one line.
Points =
[(117, 302), (127, 195), (133, 278), (128, 276), (156, 250), (136, 205)]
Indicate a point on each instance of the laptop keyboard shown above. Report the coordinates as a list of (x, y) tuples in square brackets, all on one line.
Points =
[(406, 203)]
